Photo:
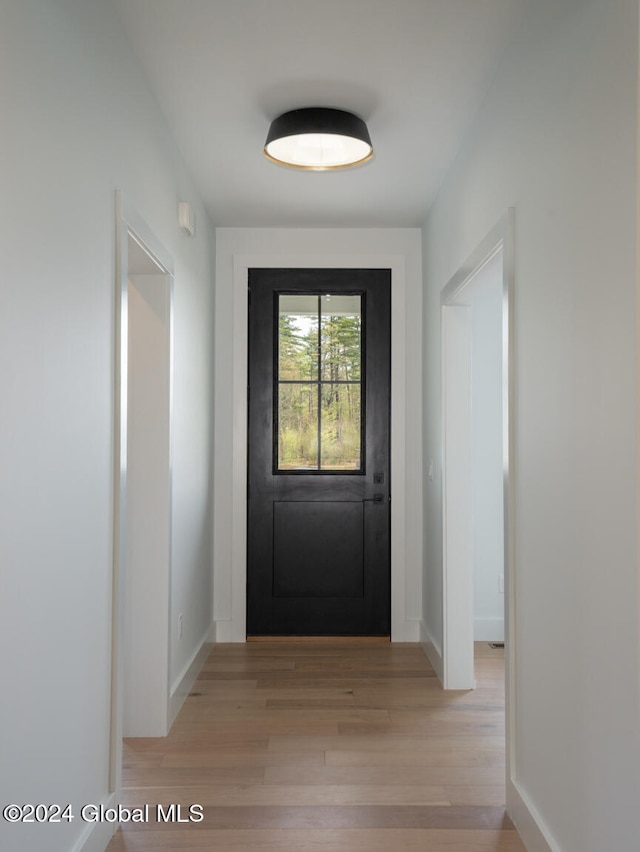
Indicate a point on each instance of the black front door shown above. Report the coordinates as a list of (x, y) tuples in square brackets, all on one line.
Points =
[(318, 559)]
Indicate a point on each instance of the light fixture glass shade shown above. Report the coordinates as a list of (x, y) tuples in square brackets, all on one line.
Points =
[(318, 138)]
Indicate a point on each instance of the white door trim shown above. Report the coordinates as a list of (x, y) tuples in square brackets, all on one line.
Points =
[(457, 651), (234, 629)]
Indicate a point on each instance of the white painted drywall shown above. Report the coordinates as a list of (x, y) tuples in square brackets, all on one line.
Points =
[(484, 295), (398, 249), (80, 123), (556, 139), (458, 497), (147, 568)]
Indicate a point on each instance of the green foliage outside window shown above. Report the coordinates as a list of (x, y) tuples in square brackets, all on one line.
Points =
[(319, 372)]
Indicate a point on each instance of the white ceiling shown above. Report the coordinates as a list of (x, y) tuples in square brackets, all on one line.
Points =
[(415, 70)]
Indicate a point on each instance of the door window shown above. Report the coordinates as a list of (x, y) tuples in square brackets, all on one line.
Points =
[(319, 413)]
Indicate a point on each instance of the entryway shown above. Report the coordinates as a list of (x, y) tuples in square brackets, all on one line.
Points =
[(319, 452)]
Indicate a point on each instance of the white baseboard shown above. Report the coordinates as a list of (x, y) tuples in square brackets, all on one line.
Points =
[(185, 681), (488, 630), (431, 649), (409, 631), (530, 825), (97, 835)]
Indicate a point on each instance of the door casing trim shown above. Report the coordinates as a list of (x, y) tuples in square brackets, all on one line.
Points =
[(128, 222), (403, 629)]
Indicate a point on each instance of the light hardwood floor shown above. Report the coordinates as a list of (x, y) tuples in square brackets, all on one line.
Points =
[(340, 745)]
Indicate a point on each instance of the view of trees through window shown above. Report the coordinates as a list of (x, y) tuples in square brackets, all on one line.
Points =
[(319, 382)]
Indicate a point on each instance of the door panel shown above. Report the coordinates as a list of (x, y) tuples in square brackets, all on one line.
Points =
[(319, 411), (318, 549)]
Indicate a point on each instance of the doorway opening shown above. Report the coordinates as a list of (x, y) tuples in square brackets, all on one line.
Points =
[(477, 427), (230, 497), (142, 493)]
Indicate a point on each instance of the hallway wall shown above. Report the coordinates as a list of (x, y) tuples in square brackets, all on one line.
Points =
[(556, 139), (78, 123), (487, 501)]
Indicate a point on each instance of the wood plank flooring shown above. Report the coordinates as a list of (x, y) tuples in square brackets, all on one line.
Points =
[(347, 746)]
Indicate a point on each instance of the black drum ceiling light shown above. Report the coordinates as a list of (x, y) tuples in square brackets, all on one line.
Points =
[(318, 139)]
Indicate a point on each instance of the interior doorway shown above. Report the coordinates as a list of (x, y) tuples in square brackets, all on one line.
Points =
[(477, 407), (474, 485), (142, 494), (148, 511)]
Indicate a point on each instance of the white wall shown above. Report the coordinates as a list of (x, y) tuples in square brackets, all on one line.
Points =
[(556, 139), (79, 123), (398, 249), (484, 294), (455, 665), (147, 567)]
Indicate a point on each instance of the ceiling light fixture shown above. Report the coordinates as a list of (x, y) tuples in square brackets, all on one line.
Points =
[(318, 139)]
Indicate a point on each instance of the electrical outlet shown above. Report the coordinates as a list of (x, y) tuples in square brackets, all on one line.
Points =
[(501, 584), (180, 626)]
